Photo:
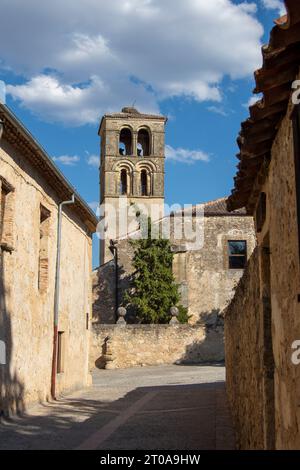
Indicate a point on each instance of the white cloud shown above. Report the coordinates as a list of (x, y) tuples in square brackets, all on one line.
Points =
[(47, 97), (185, 156), (93, 160), (2, 92), (275, 5), (252, 100), (94, 205), (99, 55), (217, 110), (71, 160), (67, 160)]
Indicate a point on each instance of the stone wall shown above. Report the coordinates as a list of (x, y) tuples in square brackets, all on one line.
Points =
[(209, 283), (244, 374), (282, 231), (263, 321), (206, 283), (123, 346), (26, 313)]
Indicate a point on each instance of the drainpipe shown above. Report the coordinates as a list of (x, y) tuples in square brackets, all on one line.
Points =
[(56, 295), (114, 250)]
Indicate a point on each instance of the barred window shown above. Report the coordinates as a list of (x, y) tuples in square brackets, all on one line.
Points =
[(237, 253)]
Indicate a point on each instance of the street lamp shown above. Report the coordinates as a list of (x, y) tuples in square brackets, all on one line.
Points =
[(113, 248)]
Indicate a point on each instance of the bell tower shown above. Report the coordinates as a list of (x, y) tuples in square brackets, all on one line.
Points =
[(131, 166)]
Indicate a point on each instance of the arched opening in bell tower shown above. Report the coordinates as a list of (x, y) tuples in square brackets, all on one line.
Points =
[(144, 183), (125, 142), (123, 182), (143, 146)]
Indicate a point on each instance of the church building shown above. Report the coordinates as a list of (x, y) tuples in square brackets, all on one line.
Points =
[(132, 173)]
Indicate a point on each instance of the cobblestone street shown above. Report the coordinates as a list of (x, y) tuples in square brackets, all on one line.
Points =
[(164, 407)]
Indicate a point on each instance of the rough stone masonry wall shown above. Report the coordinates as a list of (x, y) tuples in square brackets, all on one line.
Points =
[(206, 283), (243, 358), (26, 312), (123, 346), (285, 284), (243, 329)]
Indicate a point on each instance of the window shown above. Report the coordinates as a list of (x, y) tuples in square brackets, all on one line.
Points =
[(60, 352), (6, 215), (237, 252), (143, 147), (44, 249), (125, 145), (144, 183), (123, 182)]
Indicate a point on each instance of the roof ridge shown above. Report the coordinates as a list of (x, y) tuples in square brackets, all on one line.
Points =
[(213, 201)]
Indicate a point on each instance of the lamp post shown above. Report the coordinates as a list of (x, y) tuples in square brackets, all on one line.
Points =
[(114, 250)]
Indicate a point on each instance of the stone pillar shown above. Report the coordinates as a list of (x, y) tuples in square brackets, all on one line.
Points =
[(149, 183), (121, 316), (134, 144), (174, 312), (108, 357), (136, 183)]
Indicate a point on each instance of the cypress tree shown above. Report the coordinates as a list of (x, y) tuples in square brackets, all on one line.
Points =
[(154, 291)]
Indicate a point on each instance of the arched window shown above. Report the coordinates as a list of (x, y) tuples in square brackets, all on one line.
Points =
[(140, 150), (143, 147), (123, 182), (125, 144), (144, 183)]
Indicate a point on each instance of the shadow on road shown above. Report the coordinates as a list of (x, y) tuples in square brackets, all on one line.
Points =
[(160, 417)]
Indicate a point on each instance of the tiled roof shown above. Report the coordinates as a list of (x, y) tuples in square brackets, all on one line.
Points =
[(281, 60), (217, 208)]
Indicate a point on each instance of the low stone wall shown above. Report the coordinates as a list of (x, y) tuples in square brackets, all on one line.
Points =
[(243, 352), (123, 346)]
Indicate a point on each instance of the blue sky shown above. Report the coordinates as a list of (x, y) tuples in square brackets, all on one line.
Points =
[(193, 61)]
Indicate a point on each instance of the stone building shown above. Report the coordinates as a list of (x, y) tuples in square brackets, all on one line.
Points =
[(32, 189), (262, 324), (132, 168), (206, 274)]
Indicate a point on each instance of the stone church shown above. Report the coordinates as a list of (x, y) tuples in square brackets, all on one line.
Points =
[(132, 172), (132, 165)]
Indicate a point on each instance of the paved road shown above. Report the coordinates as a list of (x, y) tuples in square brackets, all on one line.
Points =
[(152, 408)]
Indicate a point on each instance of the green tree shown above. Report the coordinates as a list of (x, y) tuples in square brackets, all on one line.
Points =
[(153, 291)]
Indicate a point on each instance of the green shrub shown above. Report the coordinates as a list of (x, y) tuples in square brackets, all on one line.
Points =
[(153, 290)]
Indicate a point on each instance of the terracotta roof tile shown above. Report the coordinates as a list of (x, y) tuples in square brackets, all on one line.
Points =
[(217, 208), (281, 60)]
